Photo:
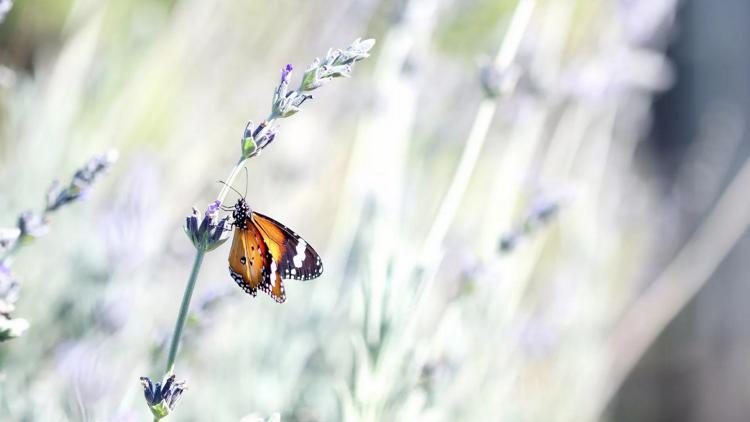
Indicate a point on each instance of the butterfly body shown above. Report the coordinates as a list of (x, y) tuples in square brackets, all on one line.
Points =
[(264, 252)]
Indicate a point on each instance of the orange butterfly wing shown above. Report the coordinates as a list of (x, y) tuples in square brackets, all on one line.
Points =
[(291, 256), (249, 260)]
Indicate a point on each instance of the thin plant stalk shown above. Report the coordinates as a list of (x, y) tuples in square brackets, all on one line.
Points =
[(395, 344), (188, 294), (505, 56), (184, 306), (190, 286)]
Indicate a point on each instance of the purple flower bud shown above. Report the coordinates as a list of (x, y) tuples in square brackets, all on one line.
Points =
[(161, 399), (285, 73), (207, 232), (212, 208)]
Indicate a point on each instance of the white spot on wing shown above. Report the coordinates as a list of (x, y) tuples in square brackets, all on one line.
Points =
[(300, 253)]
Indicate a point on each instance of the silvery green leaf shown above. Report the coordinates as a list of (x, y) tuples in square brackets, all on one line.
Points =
[(358, 50), (312, 79), (336, 71), (290, 111)]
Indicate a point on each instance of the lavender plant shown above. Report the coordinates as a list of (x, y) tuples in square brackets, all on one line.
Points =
[(511, 336), (32, 225), (207, 230)]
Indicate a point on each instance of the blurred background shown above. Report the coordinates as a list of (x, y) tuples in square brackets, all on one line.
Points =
[(527, 210)]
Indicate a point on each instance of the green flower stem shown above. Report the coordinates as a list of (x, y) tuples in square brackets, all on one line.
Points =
[(182, 316), (236, 170), (185, 306)]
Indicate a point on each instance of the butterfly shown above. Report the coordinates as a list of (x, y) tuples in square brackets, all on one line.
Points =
[(265, 251)]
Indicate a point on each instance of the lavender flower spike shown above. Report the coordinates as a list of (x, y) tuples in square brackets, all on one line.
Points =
[(207, 232), (338, 63), (82, 181)]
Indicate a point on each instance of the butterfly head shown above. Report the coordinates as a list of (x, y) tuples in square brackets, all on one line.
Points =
[(241, 214)]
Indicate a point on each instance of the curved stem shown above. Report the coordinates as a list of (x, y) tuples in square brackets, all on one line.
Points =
[(680, 281), (233, 175), (236, 170), (182, 316)]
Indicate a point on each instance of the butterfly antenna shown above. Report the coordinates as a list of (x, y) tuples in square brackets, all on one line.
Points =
[(230, 186), (246, 182)]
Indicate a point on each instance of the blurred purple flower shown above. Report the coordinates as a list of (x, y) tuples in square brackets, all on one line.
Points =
[(9, 288), (8, 238), (78, 362), (32, 225), (647, 22), (4, 269), (536, 336), (541, 212), (619, 71), (129, 228), (111, 314), (82, 181), (499, 81)]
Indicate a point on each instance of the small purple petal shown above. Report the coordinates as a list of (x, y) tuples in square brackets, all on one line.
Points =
[(285, 72), (213, 207)]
